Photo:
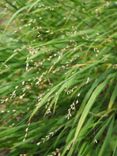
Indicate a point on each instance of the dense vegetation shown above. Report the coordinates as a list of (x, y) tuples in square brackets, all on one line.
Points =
[(58, 78)]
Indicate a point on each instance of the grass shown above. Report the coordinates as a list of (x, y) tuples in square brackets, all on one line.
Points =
[(58, 76)]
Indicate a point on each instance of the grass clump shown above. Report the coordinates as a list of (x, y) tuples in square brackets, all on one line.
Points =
[(58, 76)]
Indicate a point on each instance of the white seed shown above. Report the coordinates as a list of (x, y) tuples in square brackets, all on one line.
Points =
[(77, 101), (78, 94), (25, 135), (88, 79), (38, 143), (26, 130), (95, 141), (16, 87), (23, 82)]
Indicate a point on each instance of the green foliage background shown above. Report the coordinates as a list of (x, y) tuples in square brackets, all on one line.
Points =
[(58, 77)]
